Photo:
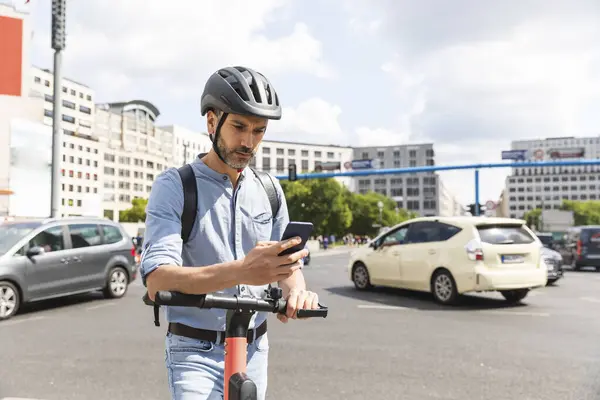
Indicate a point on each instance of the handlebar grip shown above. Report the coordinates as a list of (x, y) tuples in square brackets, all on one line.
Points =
[(320, 312), (167, 298)]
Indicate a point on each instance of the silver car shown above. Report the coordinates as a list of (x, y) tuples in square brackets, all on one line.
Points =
[(43, 259)]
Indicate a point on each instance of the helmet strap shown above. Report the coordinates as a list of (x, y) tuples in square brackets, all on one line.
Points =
[(216, 136)]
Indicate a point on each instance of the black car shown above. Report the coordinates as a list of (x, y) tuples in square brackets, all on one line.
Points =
[(583, 247)]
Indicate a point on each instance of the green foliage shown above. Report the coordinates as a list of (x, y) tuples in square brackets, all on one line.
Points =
[(533, 217), (137, 213), (584, 212), (333, 209)]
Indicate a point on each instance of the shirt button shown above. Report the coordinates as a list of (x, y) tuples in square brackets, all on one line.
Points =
[(224, 178), (243, 289)]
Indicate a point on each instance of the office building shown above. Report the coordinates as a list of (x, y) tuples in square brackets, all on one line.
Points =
[(530, 188), (81, 148), (275, 157), (135, 152), (423, 193), (187, 144)]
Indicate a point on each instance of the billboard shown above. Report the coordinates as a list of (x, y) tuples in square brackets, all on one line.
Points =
[(328, 166), (573, 152), (360, 164), (518, 155), (30, 169)]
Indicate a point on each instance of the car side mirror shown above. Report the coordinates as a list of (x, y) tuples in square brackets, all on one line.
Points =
[(373, 245), (35, 251)]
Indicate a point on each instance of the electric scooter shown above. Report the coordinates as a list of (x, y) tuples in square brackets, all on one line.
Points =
[(238, 386)]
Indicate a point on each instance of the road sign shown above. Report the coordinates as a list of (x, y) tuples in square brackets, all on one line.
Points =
[(514, 155), (490, 205), (362, 164)]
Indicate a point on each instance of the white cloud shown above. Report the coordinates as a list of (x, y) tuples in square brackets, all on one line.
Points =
[(313, 121), (174, 47), (471, 87)]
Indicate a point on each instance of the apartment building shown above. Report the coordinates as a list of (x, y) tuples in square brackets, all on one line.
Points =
[(422, 193), (546, 188), (135, 152), (187, 144), (81, 148), (275, 156)]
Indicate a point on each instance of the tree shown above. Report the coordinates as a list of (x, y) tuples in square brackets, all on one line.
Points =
[(584, 212), (321, 201), (137, 213), (532, 218), (365, 213)]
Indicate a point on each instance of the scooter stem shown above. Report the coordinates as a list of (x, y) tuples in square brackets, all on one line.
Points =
[(236, 384)]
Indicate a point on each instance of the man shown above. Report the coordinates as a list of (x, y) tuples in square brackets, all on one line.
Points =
[(234, 244)]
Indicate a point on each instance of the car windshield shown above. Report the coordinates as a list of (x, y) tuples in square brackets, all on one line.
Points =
[(11, 233), (504, 234)]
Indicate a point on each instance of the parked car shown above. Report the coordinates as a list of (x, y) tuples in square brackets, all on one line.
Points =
[(582, 247), (449, 256), (552, 258), (43, 259)]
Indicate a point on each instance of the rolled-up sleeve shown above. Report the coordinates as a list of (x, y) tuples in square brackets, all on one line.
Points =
[(282, 218), (162, 238)]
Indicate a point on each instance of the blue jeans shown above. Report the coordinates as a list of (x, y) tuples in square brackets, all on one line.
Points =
[(195, 368)]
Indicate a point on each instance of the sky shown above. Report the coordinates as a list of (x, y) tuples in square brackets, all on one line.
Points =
[(469, 76)]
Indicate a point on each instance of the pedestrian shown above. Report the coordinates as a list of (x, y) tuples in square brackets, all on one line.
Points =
[(234, 244)]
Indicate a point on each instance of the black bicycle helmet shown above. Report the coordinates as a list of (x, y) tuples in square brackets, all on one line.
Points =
[(240, 90)]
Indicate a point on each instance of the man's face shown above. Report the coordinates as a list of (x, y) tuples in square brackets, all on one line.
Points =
[(239, 137)]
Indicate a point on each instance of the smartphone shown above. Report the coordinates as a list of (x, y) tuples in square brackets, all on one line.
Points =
[(300, 229)]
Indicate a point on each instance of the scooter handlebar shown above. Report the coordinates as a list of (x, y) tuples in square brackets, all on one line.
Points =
[(231, 302)]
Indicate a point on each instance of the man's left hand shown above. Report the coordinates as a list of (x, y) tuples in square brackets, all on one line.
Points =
[(298, 300)]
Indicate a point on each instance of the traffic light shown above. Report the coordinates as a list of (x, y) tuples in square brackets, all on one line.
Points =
[(471, 209), (292, 172)]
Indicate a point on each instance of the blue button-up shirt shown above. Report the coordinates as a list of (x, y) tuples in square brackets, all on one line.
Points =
[(229, 223)]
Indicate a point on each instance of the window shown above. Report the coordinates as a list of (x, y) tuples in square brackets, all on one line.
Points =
[(429, 231), (504, 234), (68, 118), (396, 237), (84, 235), (111, 234), (50, 240)]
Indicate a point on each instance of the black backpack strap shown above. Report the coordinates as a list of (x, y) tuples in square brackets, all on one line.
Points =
[(269, 186), (188, 218), (190, 201)]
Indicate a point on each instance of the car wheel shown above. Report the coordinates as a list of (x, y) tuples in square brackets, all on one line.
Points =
[(515, 296), (117, 283), (551, 282), (10, 300), (360, 276), (443, 287)]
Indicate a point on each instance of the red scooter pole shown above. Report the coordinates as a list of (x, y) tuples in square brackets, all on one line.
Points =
[(236, 383)]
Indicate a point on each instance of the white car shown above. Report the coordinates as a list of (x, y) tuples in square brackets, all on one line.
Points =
[(449, 256)]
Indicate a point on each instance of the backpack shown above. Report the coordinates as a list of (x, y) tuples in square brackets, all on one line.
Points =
[(190, 205)]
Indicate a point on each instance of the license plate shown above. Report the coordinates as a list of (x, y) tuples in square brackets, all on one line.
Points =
[(512, 259)]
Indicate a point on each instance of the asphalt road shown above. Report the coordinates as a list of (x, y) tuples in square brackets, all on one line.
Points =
[(384, 344)]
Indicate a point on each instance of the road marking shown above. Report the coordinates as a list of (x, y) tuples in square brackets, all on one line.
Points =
[(100, 306), (590, 299), (17, 398), (524, 313), (381, 307), (19, 321)]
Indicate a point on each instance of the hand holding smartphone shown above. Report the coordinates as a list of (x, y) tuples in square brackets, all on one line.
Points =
[(300, 229)]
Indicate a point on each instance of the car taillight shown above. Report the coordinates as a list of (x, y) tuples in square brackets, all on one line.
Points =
[(133, 251), (474, 250), (579, 245)]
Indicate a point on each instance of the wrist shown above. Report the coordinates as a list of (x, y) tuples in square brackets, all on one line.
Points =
[(238, 271)]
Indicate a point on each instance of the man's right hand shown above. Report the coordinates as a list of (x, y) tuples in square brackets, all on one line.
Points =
[(263, 265)]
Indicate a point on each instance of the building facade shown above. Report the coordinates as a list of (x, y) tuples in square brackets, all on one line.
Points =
[(276, 156), (135, 152), (546, 188), (81, 154), (423, 193)]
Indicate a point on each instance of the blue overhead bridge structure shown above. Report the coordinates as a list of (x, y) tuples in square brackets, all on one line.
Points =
[(292, 176)]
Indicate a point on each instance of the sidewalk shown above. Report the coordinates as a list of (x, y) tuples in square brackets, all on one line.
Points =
[(331, 251)]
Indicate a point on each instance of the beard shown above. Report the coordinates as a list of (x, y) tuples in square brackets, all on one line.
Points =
[(231, 156)]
